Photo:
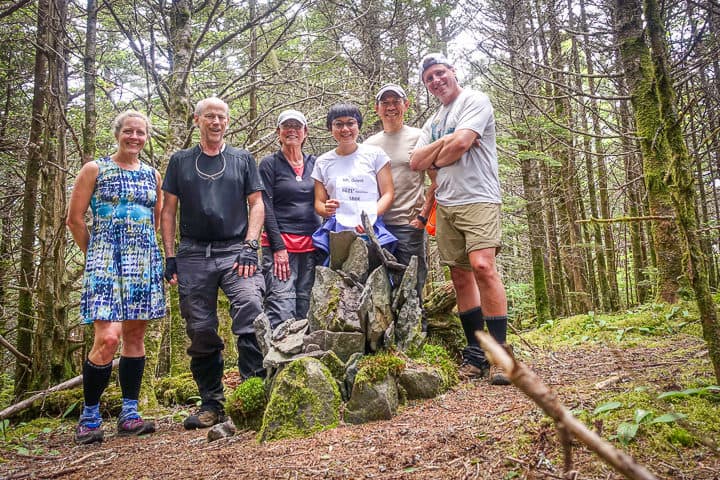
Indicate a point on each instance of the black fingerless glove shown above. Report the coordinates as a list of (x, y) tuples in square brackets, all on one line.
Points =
[(170, 268), (248, 256)]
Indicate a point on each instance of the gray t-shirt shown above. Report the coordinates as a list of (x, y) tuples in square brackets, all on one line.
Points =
[(409, 185), (474, 178)]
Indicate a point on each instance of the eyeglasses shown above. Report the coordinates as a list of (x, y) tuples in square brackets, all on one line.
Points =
[(212, 116), (391, 103), (291, 126), (341, 125)]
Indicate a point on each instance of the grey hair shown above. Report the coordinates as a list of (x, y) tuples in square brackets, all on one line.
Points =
[(121, 117), (200, 106)]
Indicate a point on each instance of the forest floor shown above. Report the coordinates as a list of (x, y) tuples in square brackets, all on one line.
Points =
[(474, 431)]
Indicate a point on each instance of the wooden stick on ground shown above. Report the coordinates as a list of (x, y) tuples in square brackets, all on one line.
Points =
[(531, 385), (22, 405)]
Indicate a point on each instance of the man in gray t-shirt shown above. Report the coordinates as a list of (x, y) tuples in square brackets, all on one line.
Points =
[(407, 216), (458, 143)]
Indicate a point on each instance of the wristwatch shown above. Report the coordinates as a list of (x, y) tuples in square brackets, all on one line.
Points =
[(252, 244), (422, 219)]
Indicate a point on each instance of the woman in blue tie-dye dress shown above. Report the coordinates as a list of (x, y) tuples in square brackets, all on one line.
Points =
[(122, 287)]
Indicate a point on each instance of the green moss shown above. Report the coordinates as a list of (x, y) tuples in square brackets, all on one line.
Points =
[(445, 329), (375, 368), (633, 327), (177, 390), (437, 357), (679, 436), (334, 364), (246, 404), (29, 434), (294, 401)]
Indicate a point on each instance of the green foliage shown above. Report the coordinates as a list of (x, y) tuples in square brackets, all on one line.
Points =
[(629, 328), (26, 438), (521, 302), (6, 390), (643, 414), (375, 368)]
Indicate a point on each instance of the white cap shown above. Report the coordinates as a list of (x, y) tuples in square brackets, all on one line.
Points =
[(390, 87), (291, 115)]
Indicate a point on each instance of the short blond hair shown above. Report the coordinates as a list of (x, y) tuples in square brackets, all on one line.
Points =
[(120, 119)]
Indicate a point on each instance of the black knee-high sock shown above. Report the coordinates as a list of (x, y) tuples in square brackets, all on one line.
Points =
[(497, 326), (130, 372), (95, 381), (472, 320)]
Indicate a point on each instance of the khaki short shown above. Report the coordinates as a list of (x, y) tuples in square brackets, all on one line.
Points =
[(463, 229)]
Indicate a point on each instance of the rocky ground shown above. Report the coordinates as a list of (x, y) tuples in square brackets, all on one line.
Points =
[(475, 431)]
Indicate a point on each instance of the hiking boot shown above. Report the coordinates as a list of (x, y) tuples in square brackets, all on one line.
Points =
[(498, 376), (204, 418), (85, 434), (134, 426), (468, 371)]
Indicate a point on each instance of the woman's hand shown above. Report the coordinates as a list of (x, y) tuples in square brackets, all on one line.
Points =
[(281, 265), (331, 206)]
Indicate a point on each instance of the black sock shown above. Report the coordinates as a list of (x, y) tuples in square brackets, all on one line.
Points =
[(472, 321), (130, 373), (497, 326), (95, 381)]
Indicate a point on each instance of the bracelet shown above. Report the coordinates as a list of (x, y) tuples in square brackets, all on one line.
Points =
[(434, 167), (422, 219)]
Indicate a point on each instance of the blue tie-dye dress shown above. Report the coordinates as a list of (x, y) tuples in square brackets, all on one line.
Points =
[(123, 268)]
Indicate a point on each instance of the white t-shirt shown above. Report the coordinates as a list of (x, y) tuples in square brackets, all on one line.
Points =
[(409, 185), (474, 178), (352, 180)]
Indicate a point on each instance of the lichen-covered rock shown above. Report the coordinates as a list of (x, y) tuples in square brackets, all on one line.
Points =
[(340, 245), (288, 336), (446, 330), (351, 369), (375, 393), (421, 383), (372, 401), (409, 335), (344, 344), (436, 357), (263, 332), (337, 369), (356, 265), (375, 308), (176, 390), (333, 304), (246, 405), (305, 399)]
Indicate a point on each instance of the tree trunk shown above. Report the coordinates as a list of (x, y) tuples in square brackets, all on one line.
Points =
[(50, 361), (640, 78), (180, 114), (26, 282), (681, 184), (90, 127)]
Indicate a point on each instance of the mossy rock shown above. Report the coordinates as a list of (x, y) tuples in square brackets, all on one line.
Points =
[(246, 404), (305, 399), (178, 390), (438, 358), (445, 329), (375, 368)]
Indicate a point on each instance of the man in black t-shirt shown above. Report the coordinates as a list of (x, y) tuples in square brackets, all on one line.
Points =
[(214, 184)]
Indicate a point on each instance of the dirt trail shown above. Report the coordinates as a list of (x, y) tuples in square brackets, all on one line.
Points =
[(475, 431)]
